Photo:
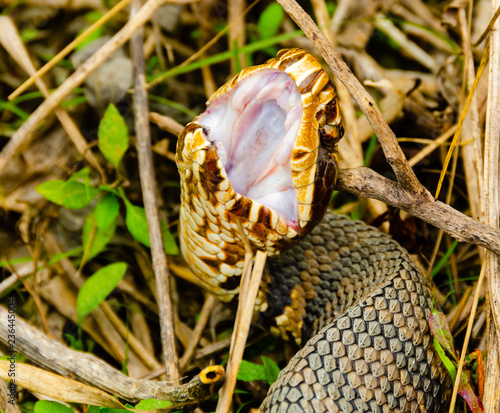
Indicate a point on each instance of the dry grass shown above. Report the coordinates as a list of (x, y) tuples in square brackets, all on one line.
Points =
[(429, 80)]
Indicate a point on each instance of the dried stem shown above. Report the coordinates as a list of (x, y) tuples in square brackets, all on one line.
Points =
[(236, 38), (366, 183), (89, 369), (249, 287), (166, 123), (491, 215), (149, 191), (5, 406), (393, 153), (470, 324), (436, 143), (205, 313)]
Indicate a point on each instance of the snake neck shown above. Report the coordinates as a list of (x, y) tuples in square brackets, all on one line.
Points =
[(357, 293), (340, 262)]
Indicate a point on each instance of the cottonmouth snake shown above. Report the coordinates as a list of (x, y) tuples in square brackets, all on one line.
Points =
[(264, 153)]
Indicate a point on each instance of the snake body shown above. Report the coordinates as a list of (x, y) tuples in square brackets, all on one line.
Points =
[(371, 349), (348, 290)]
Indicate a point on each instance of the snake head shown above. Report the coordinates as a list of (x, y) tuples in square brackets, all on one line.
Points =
[(264, 153)]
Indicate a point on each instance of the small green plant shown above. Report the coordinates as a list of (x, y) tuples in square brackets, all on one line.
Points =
[(100, 224), (44, 406), (152, 404), (443, 342), (270, 21), (268, 371), (98, 287)]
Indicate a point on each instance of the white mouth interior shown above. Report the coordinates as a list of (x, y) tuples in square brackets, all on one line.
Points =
[(254, 127)]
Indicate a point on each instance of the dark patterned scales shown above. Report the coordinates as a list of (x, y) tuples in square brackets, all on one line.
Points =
[(377, 355)]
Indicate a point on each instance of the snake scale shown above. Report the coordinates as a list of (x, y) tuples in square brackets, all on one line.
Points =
[(263, 155)]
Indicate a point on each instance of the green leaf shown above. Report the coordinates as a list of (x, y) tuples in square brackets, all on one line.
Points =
[(169, 243), (445, 359), (5, 105), (270, 20), (111, 410), (441, 331), (98, 287), (91, 18), (465, 390), (444, 259), (75, 252), (107, 188), (83, 176), (271, 369), (137, 223), (95, 239), (29, 34), (106, 211), (152, 404), (71, 194), (251, 371), (74, 343), (113, 135), (44, 406)]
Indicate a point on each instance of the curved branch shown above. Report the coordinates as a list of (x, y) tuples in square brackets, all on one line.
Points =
[(386, 137), (88, 369), (366, 183)]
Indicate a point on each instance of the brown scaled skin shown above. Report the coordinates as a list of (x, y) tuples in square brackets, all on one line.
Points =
[(209, 199)]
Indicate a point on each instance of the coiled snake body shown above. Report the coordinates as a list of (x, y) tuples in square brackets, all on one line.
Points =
[(264, 153)]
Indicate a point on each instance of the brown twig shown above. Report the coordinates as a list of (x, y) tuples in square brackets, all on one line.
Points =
[(366, 183), (393, 153), (5, 406), (236, 36), (205, 313), (149, 191), (249, 288), (89, 369), (166, 123)]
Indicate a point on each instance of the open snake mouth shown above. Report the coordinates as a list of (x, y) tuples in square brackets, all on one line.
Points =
[(263, 156), (254, 127)]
